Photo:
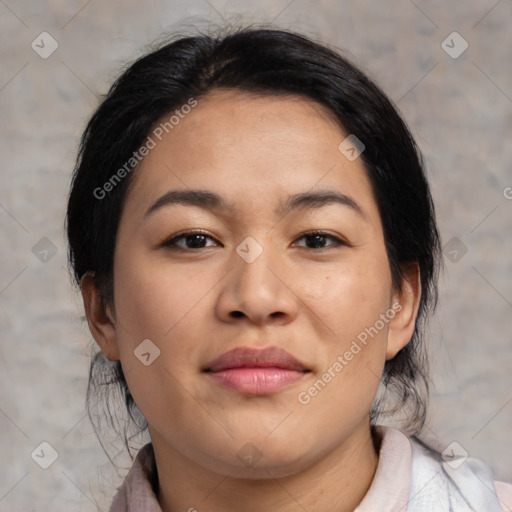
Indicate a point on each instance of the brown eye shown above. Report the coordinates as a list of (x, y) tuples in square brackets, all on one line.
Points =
[(320, 240), (190, 240)]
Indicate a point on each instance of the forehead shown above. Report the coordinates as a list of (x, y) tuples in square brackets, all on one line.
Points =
[(243, 145)]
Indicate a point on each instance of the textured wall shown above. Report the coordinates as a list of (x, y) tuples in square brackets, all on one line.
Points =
[(459, 108)]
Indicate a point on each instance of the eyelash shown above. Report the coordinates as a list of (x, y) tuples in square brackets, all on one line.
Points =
[(171, 243)]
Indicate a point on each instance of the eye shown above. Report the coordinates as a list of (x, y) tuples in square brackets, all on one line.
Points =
[(319, 240), (190, 240)]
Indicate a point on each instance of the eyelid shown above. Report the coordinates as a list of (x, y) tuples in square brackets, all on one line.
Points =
[(168, 241), (339, 241)]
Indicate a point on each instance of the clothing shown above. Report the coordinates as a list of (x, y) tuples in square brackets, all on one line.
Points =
[(410, 478)]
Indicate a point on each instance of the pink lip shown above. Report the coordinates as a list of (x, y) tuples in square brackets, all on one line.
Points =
[(256, 371)]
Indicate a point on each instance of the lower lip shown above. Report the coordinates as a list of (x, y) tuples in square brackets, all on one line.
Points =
[(256, 381)]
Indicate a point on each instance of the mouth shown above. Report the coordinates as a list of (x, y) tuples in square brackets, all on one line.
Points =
[(256, 371)]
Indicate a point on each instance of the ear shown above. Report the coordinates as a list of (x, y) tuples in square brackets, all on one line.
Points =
[(99, 317), (406, 304)]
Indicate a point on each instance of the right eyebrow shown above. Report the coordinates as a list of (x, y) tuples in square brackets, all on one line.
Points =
[(201, 198)]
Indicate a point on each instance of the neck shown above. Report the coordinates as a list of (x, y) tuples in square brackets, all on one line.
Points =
[(337, 482)]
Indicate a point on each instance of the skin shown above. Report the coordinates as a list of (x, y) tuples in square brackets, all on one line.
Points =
[(195, 304)]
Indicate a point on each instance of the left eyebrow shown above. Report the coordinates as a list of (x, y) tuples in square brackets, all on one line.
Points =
[(319, 199)]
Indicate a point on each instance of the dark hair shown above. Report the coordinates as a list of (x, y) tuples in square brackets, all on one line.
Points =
[(267, 62)]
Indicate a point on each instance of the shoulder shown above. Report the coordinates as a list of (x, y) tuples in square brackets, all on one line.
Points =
[(453, 482), (137, 493), (413, 476)]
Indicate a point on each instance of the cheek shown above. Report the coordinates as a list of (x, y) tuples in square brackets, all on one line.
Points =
[(351, 303), (350, 300), (158, 303), (349, 297), (154, 298), (169, 305)]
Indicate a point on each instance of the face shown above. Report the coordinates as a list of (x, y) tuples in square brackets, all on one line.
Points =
[(284, 251)]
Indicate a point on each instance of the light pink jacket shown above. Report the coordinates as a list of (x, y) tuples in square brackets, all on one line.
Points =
[(409, 478)]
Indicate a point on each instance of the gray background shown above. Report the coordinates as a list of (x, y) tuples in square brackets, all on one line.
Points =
[(459, 109)]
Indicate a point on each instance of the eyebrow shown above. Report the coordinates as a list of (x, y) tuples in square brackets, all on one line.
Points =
[(201, 198), (210, 200), (317, 200)]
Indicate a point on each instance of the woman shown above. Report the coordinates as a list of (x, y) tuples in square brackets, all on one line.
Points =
[(255, 241)]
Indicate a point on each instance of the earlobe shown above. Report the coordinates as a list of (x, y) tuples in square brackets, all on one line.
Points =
[(99, 318), (401, 328)]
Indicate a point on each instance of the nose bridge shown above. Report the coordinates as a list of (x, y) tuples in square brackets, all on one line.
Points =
[(255, 286), (253, 267)]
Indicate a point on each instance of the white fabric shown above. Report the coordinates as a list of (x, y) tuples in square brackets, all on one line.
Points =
[(409, 478), (433, 485)]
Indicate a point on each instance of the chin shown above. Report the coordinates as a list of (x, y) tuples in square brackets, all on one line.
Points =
[(252, 463)]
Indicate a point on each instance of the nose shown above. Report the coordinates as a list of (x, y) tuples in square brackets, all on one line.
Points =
[(260, 291)]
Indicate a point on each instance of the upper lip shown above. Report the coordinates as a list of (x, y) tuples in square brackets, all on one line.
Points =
[(255, 358)]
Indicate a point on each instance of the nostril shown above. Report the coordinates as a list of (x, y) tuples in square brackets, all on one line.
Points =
[(236, 314)]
